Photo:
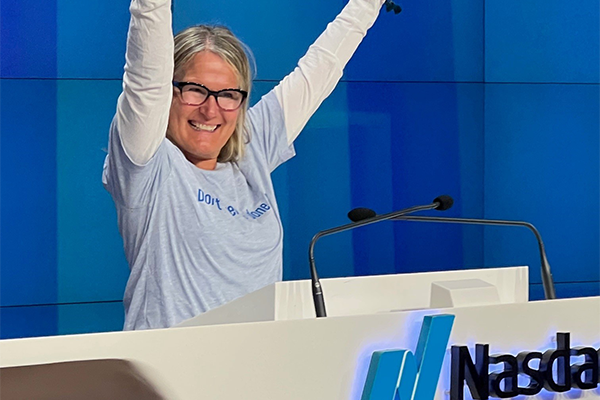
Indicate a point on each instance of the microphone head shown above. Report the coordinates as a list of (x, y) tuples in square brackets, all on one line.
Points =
[(444, 202), (358, 214)]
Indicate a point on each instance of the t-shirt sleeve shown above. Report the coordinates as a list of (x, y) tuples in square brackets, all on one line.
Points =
[(133, 185), (318, 72), (268, 133)]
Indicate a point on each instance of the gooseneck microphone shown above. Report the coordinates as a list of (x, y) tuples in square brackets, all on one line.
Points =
[(359, 214), (443, 202)]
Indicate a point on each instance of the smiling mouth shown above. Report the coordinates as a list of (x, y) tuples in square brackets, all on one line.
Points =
[(202, 127)]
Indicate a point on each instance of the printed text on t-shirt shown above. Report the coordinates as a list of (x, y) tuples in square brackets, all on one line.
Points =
[(211, 200)]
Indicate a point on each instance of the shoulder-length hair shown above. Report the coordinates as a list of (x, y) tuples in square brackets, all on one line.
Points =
[(221, 41)]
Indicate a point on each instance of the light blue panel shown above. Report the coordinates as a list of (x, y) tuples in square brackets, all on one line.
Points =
[(319, 192), (90, 318), (435, 40), (31, 321), (278, 33), (566, 290), (542, 41), (91, 37), (91, 261), (28, 187), (541, 165)]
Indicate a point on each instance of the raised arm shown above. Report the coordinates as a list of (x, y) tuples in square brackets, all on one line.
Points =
[(143, 107), (317, 73)]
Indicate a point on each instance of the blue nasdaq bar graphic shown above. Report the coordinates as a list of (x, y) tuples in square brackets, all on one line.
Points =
[(400, 375)]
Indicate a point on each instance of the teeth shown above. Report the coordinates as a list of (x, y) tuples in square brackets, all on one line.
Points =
[(201, 127)]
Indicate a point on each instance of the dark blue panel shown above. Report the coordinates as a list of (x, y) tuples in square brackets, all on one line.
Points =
[(438, 149), (566, 290), (370, 135), (28, 37), (21, 322), (541, 165), (28, 178), (91, 261), (91, 38), (436, 40), (409, 144), (542, 41), (90, 317), (279, 33)]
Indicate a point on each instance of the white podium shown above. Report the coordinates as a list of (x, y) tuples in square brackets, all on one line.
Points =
[(291, 356), (284, 301)]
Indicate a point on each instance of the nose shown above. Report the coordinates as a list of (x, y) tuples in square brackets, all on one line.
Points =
[(210, 108)]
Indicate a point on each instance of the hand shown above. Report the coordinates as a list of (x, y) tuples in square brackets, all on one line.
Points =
[(390, 5)]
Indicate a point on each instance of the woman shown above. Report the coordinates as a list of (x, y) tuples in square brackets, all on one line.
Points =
[(189, 164)]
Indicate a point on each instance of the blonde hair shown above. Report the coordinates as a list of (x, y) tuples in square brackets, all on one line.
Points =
[(221, 41)]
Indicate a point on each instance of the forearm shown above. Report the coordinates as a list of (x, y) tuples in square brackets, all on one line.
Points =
[(143, 107), (318, 72)]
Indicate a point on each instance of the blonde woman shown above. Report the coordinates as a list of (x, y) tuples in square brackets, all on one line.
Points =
[(189, 164)]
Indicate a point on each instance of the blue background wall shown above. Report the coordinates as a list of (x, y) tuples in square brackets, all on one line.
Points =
[(495, 103)]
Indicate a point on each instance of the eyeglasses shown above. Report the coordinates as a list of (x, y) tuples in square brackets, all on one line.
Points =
[(195, 94)]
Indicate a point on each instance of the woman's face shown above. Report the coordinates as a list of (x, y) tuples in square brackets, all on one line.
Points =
[(202, 131)]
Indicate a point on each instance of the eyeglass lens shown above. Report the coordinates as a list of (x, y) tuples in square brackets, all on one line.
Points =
[(226, 99)]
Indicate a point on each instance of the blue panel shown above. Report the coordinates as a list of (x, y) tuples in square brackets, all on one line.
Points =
[(279, 33), (91, 38), (541, 165), (566, 290), (319, 192), (28, 179), (438, 151), (49, 320), (21, 322), (91, 261), (437, 40), (28, 37), (281, 183), (90, 318), (370, 135), (548, 41), (422, 141), (259, 89)]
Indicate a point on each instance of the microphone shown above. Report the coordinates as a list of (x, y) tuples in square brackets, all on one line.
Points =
[(547, 281), (391, 6), (443, 202)]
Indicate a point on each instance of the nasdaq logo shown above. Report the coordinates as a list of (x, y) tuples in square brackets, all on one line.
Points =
[(552, 370), (398, 374)]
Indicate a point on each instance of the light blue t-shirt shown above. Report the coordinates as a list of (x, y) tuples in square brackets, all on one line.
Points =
[(197, 239)]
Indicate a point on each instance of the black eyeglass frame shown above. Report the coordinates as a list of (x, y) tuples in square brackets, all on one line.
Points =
[(180, 85)]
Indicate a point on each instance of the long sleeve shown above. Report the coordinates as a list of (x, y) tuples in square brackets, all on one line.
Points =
[(143, 107), (302, 92)]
